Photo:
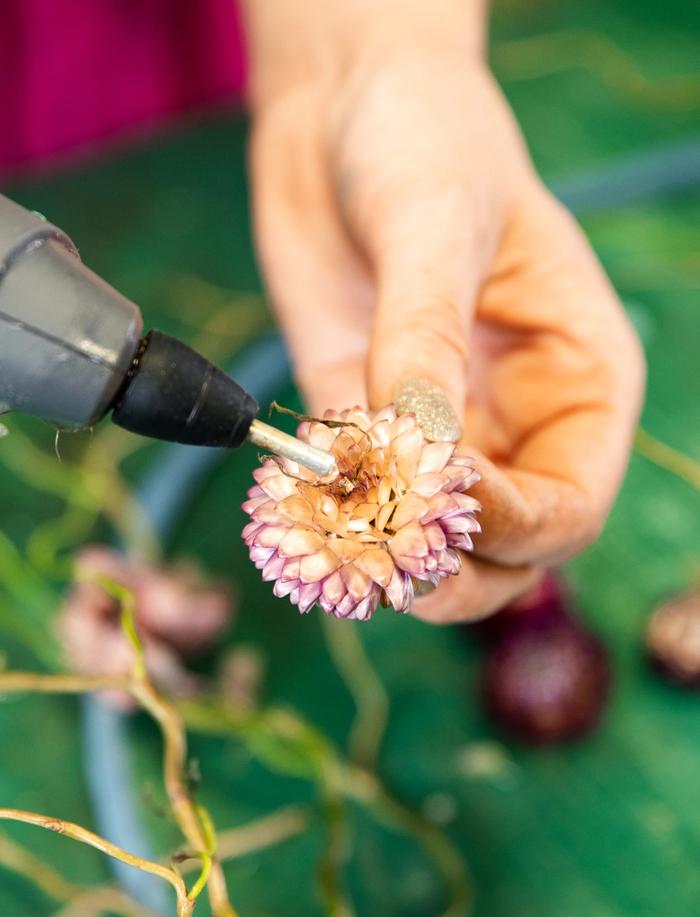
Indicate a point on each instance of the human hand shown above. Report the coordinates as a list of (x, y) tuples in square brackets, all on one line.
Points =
[(405, 235)]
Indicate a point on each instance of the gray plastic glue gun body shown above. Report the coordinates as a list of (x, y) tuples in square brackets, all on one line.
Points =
[(67, 338)]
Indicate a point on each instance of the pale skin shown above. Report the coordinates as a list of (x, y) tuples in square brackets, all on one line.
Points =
[(404, 233)]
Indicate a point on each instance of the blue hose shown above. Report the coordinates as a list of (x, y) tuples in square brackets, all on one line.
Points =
[(631, 178)]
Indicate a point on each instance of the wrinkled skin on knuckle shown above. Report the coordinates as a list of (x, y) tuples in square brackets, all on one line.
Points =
[(431, 331), (412, 116)]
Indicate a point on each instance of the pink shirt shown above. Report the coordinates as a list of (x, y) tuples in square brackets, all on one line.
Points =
[(76, 73)]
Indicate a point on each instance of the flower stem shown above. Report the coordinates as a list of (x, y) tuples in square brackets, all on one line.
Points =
[(362, 681), (668, 458), (84, 836), (25, 863)]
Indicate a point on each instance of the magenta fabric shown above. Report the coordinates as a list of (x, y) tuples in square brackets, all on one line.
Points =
[(76, 73)]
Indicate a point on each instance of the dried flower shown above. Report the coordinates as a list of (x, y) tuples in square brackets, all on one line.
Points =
[(673, 639), (395, 512), (178, 615)]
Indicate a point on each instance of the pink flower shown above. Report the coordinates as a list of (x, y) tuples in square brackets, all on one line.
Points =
[(178, 615), (395, 512)]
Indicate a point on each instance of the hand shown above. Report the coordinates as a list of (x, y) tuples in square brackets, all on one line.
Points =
[(404, 235)]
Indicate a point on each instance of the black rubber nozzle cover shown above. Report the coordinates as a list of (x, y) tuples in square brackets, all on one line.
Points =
[(173, 393)]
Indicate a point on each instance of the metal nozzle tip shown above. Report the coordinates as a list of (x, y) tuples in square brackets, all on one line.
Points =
[(274, 440)]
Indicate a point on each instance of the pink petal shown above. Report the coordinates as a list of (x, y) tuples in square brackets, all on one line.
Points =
[(279, 486), (253, 503), (268, 469), (334, 589), (434, 457), (461, 478), (435, 536), (377, 564), (270, 536), (399, 591), (291, 569), (425, 485), (325, 604), (299, 541), (329, 507), (380, 433), (386, 485), (260, 556), (273, 568), (410, 508), (345, 607), (357, 416), (344, 549), (250, 531), (366, 511), (407, 451), (322, 437), (315, 567), (296, 508), (363, 611), (356, 582), (294, 470), (308, 595), (410, 442), (440, 506), (384, 515), (449, 563), (467, 503), (402, 424), (284, 587), (268, 514), (409, 542), (387, 414), (458, 524), (414, 566), (463, 542)]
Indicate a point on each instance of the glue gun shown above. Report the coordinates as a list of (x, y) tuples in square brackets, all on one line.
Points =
[(72, 350)]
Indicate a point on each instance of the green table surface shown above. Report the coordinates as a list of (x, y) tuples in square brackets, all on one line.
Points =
[(606, 828)]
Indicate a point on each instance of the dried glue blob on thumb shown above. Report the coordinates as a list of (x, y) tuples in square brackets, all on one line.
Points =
[(396, 513)]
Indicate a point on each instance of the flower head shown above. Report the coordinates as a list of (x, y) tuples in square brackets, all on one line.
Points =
[(673, 639), (178, 613), (395, 512)]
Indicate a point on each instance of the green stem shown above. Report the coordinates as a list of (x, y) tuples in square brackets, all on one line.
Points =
[(338, 778), (362, 681), (666, 457)]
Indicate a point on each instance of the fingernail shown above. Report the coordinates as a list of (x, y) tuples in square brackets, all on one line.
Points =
[(433, 411)]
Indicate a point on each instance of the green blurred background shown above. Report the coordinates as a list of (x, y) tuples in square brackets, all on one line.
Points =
[(606, 828)]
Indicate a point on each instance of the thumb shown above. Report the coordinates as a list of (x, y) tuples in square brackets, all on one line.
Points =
[(418, 359), (427, 266)]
